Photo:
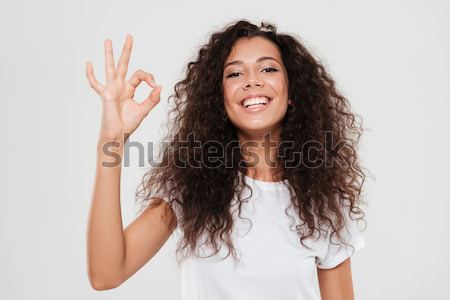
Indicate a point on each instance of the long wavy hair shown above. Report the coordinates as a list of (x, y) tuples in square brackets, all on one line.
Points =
[(202, 194)]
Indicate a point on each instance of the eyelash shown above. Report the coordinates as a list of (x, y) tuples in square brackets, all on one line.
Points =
[(274, 70)]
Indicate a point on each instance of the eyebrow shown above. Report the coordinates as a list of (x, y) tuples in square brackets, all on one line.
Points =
[(240, 62)]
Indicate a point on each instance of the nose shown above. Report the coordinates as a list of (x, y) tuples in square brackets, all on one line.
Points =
[(253, 81)]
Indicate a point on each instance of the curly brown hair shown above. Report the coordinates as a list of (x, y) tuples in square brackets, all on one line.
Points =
[(204, 193)]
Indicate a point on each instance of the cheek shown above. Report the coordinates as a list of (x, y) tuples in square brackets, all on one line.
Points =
[(279, 84), (229, 90), (226, 99)]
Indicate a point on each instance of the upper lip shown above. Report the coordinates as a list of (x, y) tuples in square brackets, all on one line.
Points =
[(253, 96)]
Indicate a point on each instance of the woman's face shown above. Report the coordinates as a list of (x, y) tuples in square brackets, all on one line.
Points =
[(254, 73)]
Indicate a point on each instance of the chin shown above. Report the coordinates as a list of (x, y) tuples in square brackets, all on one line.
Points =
[(258, 128)]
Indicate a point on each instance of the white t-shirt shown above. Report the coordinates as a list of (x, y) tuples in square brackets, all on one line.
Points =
[(273, 264)]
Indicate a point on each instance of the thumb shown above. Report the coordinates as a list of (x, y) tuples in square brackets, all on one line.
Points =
[(152, 100)]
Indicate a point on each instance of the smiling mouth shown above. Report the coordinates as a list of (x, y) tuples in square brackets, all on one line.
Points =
[(256, 106), (255, 102)]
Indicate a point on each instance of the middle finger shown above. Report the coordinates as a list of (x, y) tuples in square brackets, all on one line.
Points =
[(124, 59)]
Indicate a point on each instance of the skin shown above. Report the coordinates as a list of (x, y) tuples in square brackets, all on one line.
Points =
[(247, 74), (336, 283), (114, 254)]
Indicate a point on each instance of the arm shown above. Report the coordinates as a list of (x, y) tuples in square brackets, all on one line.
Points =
[(336, 283), (114, 254)]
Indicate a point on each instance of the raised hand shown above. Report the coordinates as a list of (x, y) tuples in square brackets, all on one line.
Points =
[(121, 114)]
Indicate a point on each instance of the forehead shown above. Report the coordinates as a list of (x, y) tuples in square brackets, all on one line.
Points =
[(249, 49)]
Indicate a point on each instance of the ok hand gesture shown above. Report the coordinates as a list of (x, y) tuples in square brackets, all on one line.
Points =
[(121, 114)]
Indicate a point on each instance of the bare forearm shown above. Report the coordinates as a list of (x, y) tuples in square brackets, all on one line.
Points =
[(121, 115), (105, 238)]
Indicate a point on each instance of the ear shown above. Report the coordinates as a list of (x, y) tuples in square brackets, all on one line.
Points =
[(289, 101)]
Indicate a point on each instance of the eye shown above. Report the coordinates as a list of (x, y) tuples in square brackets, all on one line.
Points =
[(270, 68), (232, 74)]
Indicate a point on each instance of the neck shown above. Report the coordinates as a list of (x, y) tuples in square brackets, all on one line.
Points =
[(260, 154)]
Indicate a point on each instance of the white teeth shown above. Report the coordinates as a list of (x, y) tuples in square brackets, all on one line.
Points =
[(254, 101)]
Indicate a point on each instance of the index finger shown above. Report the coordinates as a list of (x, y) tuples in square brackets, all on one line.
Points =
[(140, 76), (124, 59)]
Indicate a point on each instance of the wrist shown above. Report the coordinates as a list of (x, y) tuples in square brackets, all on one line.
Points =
[(105, 137), (110, 152)]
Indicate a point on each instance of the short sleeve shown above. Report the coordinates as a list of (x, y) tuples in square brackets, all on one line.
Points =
[(162, 192), (335, 252)]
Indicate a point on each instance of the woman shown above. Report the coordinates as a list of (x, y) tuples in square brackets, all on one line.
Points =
[(260, 176)]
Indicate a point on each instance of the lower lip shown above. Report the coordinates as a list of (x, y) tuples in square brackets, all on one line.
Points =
[(257, 108)]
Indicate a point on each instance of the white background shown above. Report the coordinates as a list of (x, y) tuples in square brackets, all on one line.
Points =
[(389, 58)]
